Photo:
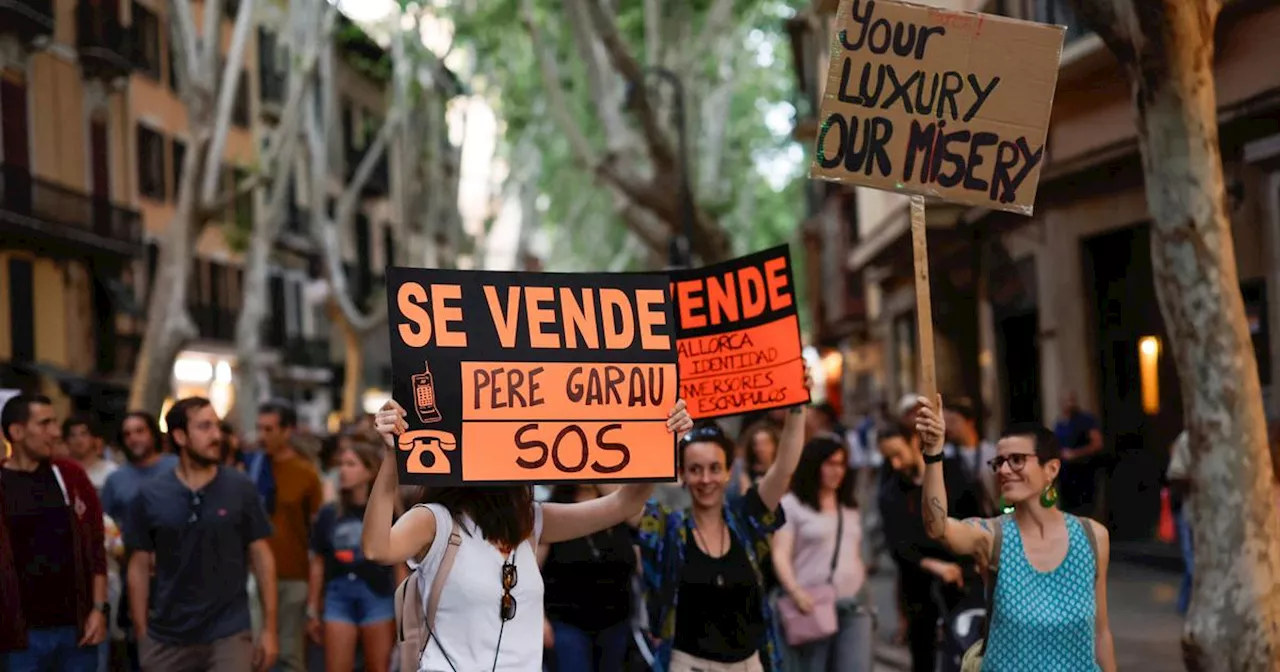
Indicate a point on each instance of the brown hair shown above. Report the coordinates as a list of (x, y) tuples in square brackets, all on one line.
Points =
[(504, 514), (370, 455), (747, 440)]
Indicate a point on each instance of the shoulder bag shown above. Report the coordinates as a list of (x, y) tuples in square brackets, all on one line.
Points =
[(821, 621)]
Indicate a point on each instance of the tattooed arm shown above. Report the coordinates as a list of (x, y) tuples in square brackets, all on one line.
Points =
[(973, 536)]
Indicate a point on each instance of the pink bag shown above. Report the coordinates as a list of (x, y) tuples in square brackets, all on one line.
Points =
[(821, 622)]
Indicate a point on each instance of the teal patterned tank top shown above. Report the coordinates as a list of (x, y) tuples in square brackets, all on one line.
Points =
[(1043, 620)]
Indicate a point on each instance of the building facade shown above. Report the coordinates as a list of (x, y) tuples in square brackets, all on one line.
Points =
[(69, 232)]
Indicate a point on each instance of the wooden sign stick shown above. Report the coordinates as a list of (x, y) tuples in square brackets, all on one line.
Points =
[(924, 304)]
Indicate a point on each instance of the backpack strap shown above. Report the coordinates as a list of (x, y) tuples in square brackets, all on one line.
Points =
[(437, 584), (992, 575), (1089, 534), (415, 627)]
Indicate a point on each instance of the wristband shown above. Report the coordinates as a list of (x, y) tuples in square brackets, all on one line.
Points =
[(935, 457)]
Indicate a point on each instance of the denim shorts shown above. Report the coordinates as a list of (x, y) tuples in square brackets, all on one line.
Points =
[(348, 599)]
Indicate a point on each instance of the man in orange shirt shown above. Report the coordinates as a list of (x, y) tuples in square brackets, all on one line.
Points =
[(298, 498)]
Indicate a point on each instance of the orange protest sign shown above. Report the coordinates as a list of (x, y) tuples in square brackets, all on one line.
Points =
[(739, 335), (528, 377)]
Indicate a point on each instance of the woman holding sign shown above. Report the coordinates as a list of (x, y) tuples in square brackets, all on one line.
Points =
[(1047, 570), (706, 590), (489, 610)]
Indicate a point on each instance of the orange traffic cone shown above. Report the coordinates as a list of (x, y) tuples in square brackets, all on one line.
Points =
[(1166, 530)]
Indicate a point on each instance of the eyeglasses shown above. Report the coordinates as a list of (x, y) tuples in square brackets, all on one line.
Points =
[(509, 579), (703, 433), (196, 500), (1016, 462)]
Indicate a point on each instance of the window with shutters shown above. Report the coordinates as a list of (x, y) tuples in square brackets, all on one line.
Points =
[(148, 41), (179, 156), (22, 310), (151, 173)]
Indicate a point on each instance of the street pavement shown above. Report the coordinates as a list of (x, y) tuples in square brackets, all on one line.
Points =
[(1144, 622)]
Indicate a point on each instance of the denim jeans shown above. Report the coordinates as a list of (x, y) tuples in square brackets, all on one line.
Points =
[(577, 650), (851, 649), (53, 649), (1188, 559)]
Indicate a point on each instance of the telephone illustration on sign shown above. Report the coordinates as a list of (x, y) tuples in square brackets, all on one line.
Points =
[(424, 396), (426, 448)]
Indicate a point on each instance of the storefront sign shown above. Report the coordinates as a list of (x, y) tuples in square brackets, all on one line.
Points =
[(525, 377), (739, 336)]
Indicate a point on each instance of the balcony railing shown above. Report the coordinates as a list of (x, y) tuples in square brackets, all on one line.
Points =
[(28, 19), (313, 353), (64, 214), (379, 182), (106, 45)]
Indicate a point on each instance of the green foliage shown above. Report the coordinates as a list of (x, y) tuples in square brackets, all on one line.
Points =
[(579, 214)]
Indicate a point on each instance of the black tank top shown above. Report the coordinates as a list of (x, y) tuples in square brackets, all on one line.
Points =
[(718, 615)]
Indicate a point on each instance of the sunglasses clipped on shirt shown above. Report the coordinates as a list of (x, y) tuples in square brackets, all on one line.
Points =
[(1016, 462), (509, 579), (196, 500)]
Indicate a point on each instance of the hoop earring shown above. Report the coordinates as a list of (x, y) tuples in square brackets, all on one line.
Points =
[(1049, 496)]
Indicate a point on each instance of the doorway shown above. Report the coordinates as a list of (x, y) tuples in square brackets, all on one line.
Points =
[(1018, 342), (1139, 396)]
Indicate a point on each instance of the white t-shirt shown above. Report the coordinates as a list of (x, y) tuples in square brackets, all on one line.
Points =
[(468, 619), (99, 472), (815, 542)]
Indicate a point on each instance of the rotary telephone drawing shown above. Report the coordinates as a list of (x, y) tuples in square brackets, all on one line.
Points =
[(431, 441)]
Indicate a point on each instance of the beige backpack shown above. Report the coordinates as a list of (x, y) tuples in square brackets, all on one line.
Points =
[(414, 628)]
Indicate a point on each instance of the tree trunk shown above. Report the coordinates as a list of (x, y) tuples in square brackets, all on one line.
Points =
[(1234, 618), (1234, 622), (169, 325)]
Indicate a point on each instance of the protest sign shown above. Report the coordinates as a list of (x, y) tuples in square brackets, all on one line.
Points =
[(739, 335), (939, 103), (532, 377)]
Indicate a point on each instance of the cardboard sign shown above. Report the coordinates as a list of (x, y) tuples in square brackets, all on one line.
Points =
[(530, 377), (739, 336), (938, 103)]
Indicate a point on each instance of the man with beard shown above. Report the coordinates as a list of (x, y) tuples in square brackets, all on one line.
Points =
[(199, 527), (140, 441), (926, 570), (53, 567)]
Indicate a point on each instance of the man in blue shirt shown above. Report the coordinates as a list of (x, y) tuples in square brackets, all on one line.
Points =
[(1081, 442), (200, 526)]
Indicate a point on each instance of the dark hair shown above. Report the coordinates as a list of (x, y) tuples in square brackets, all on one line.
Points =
[(281, 409), (748, 439), (150, 421), (890, 431), (828, 411), (178, 416), (504, 513), (81, 421), (964, 406), (807, 480), (1046, 442), (707, 431), (564, 493), (18, 411)]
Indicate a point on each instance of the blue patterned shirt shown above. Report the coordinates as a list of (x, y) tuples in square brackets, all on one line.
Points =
[(664, 535)]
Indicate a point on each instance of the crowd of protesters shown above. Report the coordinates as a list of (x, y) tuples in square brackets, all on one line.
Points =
[(190, 550)]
